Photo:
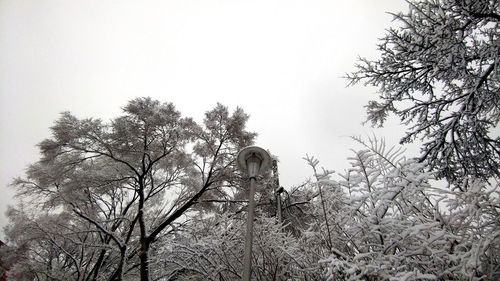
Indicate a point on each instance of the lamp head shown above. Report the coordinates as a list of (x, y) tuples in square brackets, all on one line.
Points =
[(253, 160)]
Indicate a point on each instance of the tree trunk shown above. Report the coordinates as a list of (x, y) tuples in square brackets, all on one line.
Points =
[(144, 258), (97, 267), (118, 275), (144, 251)]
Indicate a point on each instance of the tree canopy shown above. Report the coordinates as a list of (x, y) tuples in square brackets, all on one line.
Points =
[(439, 72), (140, 199), (104, 192), (153, 195)]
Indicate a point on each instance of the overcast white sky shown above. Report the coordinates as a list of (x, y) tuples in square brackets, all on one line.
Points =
[(282, 61)]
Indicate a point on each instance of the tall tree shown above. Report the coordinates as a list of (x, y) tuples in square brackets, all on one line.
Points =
[(132, 179), (439, 72)]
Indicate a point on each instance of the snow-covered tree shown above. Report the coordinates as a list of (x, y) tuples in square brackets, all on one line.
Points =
[(130, 180), (212, 249), (439, 72), (380, 220), (392, 224), (58, 247), (154, 196)]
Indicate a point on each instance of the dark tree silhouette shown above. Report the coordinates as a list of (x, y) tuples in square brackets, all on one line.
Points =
[(439, 72)]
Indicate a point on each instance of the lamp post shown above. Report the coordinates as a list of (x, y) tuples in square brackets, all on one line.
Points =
[(252, 160)]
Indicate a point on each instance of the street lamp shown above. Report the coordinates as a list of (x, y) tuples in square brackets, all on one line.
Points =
[(252, 160)]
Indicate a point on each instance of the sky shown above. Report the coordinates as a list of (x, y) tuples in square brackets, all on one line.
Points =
[(281, 61)]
